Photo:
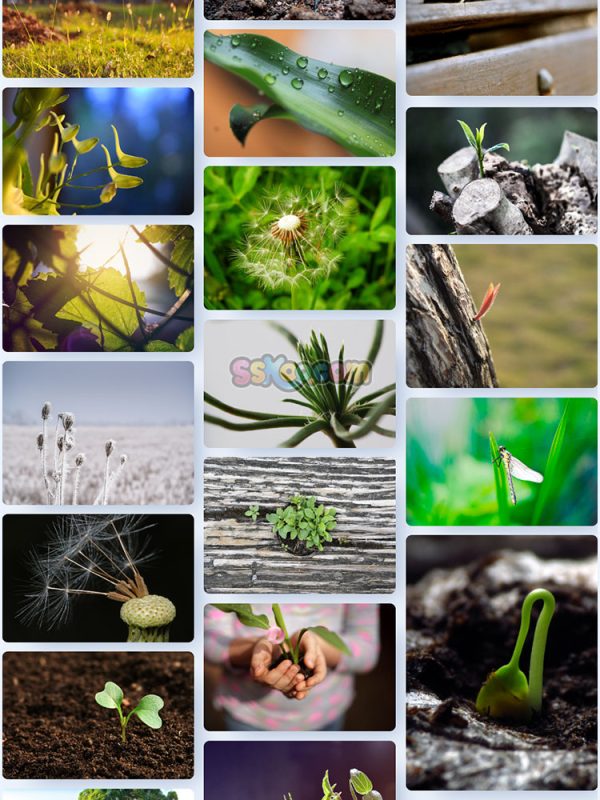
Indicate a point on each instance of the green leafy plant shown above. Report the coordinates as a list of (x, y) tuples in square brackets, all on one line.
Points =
[(304, 520), (347, 245), (277, 633), (33, 111), (252, 512), (358, 783), (506, 692), (54, 301), (335, 409), (146, 710), (353, 107), (476, 142)]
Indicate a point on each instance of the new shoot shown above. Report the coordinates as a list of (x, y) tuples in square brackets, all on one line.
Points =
[(476, 142), (507, 694), (146, 710)]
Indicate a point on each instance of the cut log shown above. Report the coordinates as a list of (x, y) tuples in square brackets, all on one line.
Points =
[(445, 348), (484, 202), (458, 170), (582, 153)]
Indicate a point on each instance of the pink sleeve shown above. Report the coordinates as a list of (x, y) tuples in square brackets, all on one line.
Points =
[(361, 634), (218, 633)]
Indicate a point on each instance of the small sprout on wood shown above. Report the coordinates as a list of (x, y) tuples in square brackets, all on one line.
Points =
[(506, 694), (252, 512), (278, 633), (488, 301), (146, 710), (476, 142), (303, 519)]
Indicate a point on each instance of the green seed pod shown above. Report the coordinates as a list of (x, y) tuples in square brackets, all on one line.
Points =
[(148, 618)]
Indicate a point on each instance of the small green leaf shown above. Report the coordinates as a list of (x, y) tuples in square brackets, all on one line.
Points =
[(185, 340), (245, 614), (147, 710), (361, 783), (111, 696), (468, 133), (501, 146), (331, 638)]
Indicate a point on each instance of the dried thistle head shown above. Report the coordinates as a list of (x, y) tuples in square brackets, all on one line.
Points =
[(40, 441), (292, 237), (109, 447), (46, 409)]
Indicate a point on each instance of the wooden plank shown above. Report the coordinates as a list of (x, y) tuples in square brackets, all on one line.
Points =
[(428, 18), (243, 556), (570, 58)]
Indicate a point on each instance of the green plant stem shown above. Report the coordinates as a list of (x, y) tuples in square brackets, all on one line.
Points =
[(294, 297)]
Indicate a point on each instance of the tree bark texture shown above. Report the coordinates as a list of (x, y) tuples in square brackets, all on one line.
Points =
[(445, 348), (515, 199)]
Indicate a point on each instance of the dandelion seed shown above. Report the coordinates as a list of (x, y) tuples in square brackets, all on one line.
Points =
[(108, 16), (292, 238)]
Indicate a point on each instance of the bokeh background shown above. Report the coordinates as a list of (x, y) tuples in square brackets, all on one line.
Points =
[(257, 770), (371, 50), (433, 134), (450, 477), (543, 326), (157, 124)]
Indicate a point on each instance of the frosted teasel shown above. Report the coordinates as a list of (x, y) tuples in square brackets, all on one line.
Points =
[(97, 556), (56, 480), (292, 236)]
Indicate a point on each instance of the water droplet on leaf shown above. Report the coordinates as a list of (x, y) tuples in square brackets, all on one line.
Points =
[(302, 62), (235, 41), (322, 74), (346, 78), (270, 78), (297, 83)]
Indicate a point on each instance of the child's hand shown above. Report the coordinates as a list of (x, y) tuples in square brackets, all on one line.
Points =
[(282, 678), (311, 650)]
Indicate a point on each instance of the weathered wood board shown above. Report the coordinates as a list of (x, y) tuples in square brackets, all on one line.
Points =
[(428, 18), (242, 556), (513, 70)]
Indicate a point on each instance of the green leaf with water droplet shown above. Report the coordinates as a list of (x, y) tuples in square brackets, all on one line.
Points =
[(310, 92)]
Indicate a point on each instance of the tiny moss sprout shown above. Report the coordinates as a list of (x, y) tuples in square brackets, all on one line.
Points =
[(96, 556), (277, 633), (291, 239), (476, 142), (360, 785), (146, 710), (506, 694)]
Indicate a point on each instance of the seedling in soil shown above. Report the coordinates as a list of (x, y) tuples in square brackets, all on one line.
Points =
[(56, 475), (98, 556), (359, 785), (333, 406), (277, 633), (304, 521), (506, 694), (252, 512), (146, 710), (476, 142)]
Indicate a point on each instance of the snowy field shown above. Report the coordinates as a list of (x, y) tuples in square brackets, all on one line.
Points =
[(159, 468)]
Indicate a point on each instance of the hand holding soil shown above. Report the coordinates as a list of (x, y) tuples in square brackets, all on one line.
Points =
[(317, 656), (282, 677)]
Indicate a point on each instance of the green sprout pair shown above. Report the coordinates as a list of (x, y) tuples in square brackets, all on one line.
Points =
[(146, 710), (476, 142), (506, 694)]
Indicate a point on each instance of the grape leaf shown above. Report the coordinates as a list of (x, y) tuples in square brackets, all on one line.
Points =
[(183, 251), (24, 333), (95, 310)]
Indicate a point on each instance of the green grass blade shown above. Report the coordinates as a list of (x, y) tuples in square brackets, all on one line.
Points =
[(553, 481), (358, 114), (501, 483)]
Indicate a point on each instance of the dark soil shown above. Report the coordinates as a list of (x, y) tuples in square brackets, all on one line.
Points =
[(295, 546), (20, 29), (299, 9), (306, 671), (461, 625), (53, 728)]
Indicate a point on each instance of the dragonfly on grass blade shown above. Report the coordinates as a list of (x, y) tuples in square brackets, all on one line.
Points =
[(516, 469)]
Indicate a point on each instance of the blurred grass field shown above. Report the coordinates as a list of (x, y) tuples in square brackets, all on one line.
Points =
[(543, 326), (450, 475)]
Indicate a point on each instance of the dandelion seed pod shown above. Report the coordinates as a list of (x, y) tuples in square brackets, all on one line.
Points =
[(148, 618)]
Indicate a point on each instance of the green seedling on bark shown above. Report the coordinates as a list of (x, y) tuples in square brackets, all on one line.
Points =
[(507, 694), (476, 142), (146, 710)]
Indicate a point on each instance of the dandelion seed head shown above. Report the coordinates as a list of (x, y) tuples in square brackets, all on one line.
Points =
[(108, 16)]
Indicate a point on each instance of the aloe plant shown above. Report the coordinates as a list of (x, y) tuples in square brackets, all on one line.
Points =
[(355, 108), (334, 407)]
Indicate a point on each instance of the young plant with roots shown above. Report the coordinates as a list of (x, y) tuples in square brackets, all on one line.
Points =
[(506, 694), (290, 242), (96, 556), (360, 785), (56, 474), (334, 406), (34, 110)]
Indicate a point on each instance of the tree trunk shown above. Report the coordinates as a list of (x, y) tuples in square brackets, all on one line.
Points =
[(445, 348)]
